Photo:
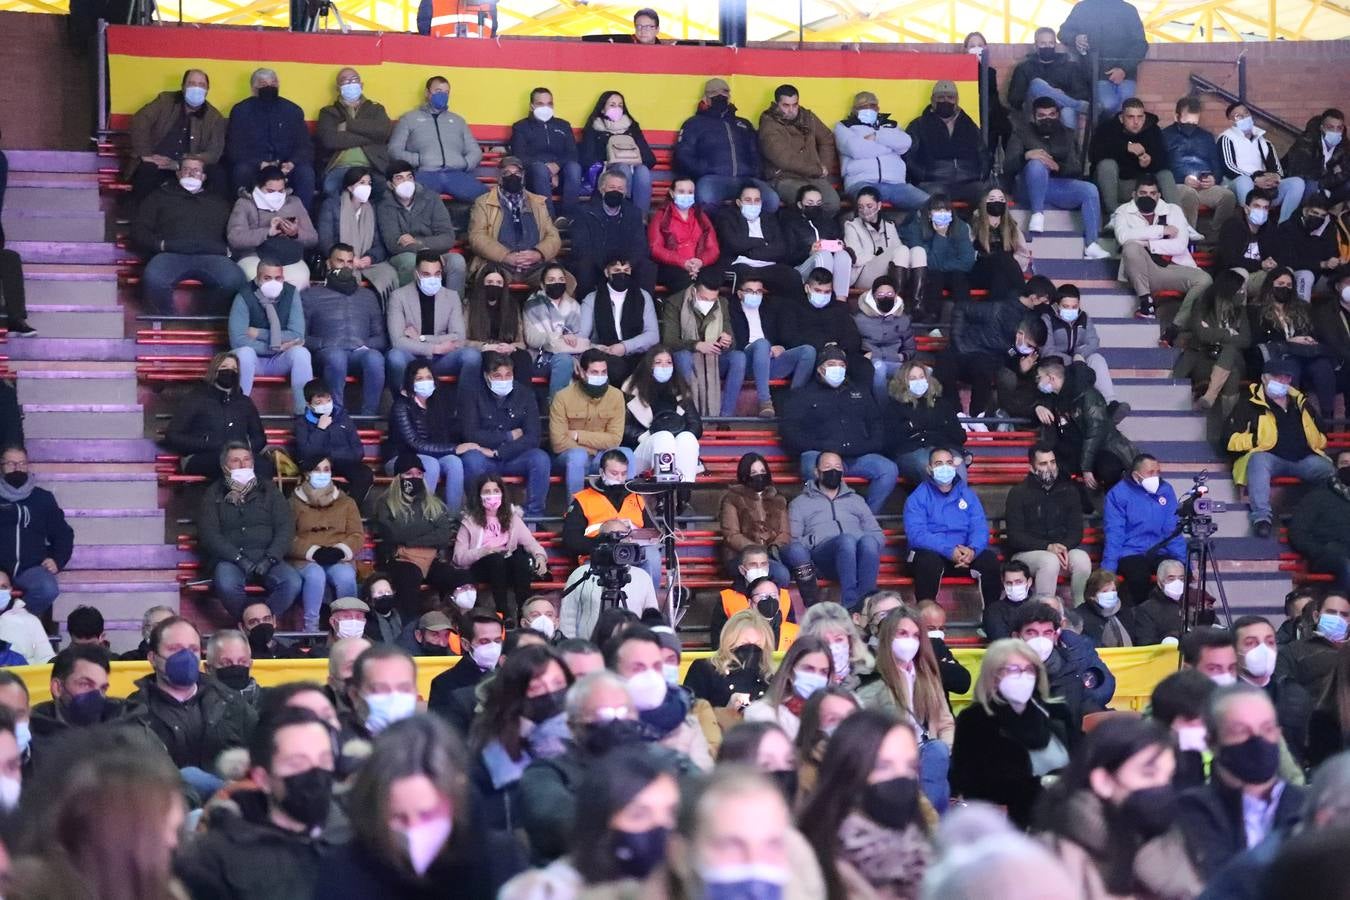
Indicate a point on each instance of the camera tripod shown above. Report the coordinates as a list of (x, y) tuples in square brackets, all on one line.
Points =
[(1202, 559), (316, 16)]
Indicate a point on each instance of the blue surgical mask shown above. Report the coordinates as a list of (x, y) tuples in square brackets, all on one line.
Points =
[(1258, 216), (752, 301), (1045, 387), (501, 388), (424, 387), (320, 480), (440, 100), (684, 201), (834, 375), (942, 218), (430, 285), (1277, 389), (1069, 315), (194, 96), (918, 387), (1025, 349), (867, 116), (183, 669), (944, 474), (351, 91), (597, 380), (750, 211), (1244, 124), (820, 299), (662, 374), (1331, 626), (1331, 138), (1108, 600)]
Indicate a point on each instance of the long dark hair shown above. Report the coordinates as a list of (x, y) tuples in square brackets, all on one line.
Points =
[(747, 462), (608, 785), (505, 702), (478, 319), (473, 501), (741, 743), (781, 686), (599, 111), (850, 757), (809, 734), (410, 375), (1295, 311), (646, 387)]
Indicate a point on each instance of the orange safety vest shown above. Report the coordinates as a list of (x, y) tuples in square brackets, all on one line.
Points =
[(733, 602), (598, 509), (461, 18)]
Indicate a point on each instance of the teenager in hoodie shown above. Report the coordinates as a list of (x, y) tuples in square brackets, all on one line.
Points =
[(1250, 161), (888, 338)]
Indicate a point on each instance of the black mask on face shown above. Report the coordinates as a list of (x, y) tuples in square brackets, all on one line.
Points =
[(384, 603), (260, 637), (893, 803), (1146, 205), (1343, 473), (235, 677), (1046, 54), (269, 93), (594, 390), (1046, 127), (493, 293), (1312, 223), (759, 482), (1254, 761), (545, 706), (812, 213), (83, 709), (1282, 294), (227, 379), (555, 290), (1151, 810), (786, 780), (613, 199), (342, 280), (16, 479), (432, 650), (512, 183), (830, 479), (944, 109), (413, 488), (601, 737), (620, 281), (884, 304), (637, 853), (749, 656), (308, 795), (718, 102), (996, 208)]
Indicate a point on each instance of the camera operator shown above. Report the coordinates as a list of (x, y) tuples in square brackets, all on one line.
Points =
[(607, 498), (603, 580)]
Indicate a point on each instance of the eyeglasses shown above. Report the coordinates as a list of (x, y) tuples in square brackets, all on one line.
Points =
[(1006, 671)]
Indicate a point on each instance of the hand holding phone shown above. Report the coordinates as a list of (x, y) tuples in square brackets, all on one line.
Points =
[(831, 246)]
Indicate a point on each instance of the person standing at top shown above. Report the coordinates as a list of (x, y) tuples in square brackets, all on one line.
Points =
[(1113, 31)]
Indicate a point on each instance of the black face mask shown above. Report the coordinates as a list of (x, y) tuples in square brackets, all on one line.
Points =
[(432, 650), (555, 290), (637, 853), (1343, 473), (1254, 761), (830, 479), (620, 281), (545, 706), (234, 677), (269, 93), (719, 102), (893, 803), (1146, 205), (759, 482), (996, 208), (308, 796), (601, 737), (1046, 54), (512, 183), (227, 379), (1312, 223), (341, 280), (1282, 294), (944, 109), (493, 293), (594, 390), (613, 199), (786, 780), (413, 488), (1046, 127), (384, 603), (1151, 811), (16, 479), (749, 656), (884, 304), (260, 637), (812, 213)]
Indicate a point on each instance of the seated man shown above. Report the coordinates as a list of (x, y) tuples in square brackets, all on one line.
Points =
[(181, 226), (836, 415), (719, 150), (696, 328), (797, 149), (353, 130), (84, 625), (1078, 677), (79, 687), (325, 431), (426, 320), (1071, 337), (752, 241), (1194, 159), (42, 541), (1126, 146), (268, 130), (345, 329), (267, 332), (681, 238), (259, 624), (482, 639), (606, 226), (1254, 641), (512, 227), (948, 532), (999, 618), (1309, 245), (618, 317), (1114, 34), (1158, 617), (1141, 526), (547, 149), (1320, 157), (1045, 525), (1249, 161), (871, 150), (948, 154), (1048, 73), (229, 661), (754, 584), (413, 220), (585, 420), (1277, 434), (502, 419), (1312, 660), (244, 529), (981, 336), (1082, 424), (1155, 254), (271, 222), (1247, 240), (1043, 154), (1320, 527), (604, 501), (1015, 379), (439, 145), (170, 128), (833, 534)]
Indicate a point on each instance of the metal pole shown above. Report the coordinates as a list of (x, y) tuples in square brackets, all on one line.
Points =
[(103, 76), (1242, 77)]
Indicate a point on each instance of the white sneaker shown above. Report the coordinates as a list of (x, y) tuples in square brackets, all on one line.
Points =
[(1095, 251), (1036, 224)]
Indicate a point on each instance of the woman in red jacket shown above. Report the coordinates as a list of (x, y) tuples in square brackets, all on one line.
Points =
[(681, 238)]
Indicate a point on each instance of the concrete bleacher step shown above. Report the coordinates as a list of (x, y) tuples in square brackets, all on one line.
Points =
[(1077, 269), (1152, 357), (70, 349), (1126, 333), (117, 525), (52, 191), (49, 386), (1109, 303), (79, 421), (103, 490), (77, 320), (70, 252), (1056, 220), (102, 557), (1178, 426), (68, 285), (92, 450), (36, 224), (1148, 395), (122, 597), (56, 161), (1056, 245)]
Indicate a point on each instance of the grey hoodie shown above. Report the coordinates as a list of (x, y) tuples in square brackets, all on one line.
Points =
[(888, 338), (814, 518)]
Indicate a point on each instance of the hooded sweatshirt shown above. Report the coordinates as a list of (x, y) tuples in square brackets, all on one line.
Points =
[(888, 337)]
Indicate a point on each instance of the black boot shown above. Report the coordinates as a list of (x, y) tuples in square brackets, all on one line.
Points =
[(918, 282), (807, 586)]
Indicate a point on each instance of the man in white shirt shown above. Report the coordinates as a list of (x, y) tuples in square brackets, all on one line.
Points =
[(1155, 251)]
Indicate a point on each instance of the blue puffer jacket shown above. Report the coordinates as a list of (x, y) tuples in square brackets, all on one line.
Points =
[(940, 522), (1099, 685), (1137, 521), (339, 441), (1190, 151), (717, 142)]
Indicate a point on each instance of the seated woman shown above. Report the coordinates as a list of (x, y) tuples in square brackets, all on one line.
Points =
[(815, 241), (614, 139), (492, 319), (752, 512), (328, 535), (423, 421), (918, 418), (552, 323), (214, 414), (738, 673), (1013, 735), (349, 218), (821, 716), (945, 241), (413, 527), (496, 546), (271, 222), (681, 239), (1285, 331), (887, 335), (765, 747), (850, 659), (805, 669), (662, 418), (877, 249), (1222, 334), (1002, 256)]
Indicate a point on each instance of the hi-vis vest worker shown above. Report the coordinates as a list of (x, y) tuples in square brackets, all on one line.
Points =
[(598, 509), (461, 18), (733, 602)]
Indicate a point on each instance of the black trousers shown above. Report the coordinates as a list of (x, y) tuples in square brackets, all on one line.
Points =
[(1137, 570), (927, 569), (509, 579), (976, 369), (359, 478), (11, 286), (407, 580)]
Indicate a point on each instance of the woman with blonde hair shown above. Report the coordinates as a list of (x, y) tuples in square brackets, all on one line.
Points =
[(910, 687), (806, 669), (852, 661), (738, 673), (1013, 735), (918, 418), (1002, 256), (413, 526)]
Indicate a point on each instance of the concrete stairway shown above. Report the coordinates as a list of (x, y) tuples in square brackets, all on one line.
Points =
[(83, 420)]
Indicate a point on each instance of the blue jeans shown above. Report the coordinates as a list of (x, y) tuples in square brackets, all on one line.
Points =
[(935, 759), (295, 362), (639, 185), (914, 464), (533, 464), (1037, 187), (731, 368), (282, 582), (1288, 195), (799, 362), (203, 783), (466, 362), (1263, 466), (314, 581), (853, 560), (40, 589), (879, 471), (1110, 96), (560, 373), (881, 374), (1069, 107), (450, 467), (220, 276), (463, 186), (539, 180), (577, 463), (711, 190), (901, 196), (369, 364)]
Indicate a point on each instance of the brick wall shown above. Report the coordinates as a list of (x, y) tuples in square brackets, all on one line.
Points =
[(49, 97)]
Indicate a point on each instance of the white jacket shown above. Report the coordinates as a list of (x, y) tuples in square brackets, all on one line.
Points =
[(1130, 225), (25, 634), (1246, 156), (875, 161)]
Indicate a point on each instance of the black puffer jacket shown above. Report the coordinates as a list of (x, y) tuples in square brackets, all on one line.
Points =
[(1305, 159), (260, 527), (1320, 529), (433, 431), (195, 732), (1038, 517), (1084, 419), (209, 418), (912, 426), (843, 420)]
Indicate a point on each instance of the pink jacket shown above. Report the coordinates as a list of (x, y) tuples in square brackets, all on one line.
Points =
[(469, 541)]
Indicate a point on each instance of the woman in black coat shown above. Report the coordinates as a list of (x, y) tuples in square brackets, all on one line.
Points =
[(215, 413), (917, 419)]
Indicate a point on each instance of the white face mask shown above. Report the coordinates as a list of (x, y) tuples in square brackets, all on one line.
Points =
[(351, 628), (542, 624), (648, 689), (269, 200), (671, 672), (597, 380), (1174, 589), (1151, 483), (542, 113), (487, 655), (1192, 738), (405, 189), (753, 575), (466, 599), (918, 387), (271, 289), (1260, 661), (360, 192), (904, 649), (425, 840), (241, 476), (430, 285), (937, 634), (804, 683), (839, 654), (190, 183), (10, 788), (383, 710), (1017, 688), (1108, 600), (1224, 679), (1016, 593), (1042, 645), (323, 409)]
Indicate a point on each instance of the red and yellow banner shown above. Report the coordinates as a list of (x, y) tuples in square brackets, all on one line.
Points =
[(490, 81)]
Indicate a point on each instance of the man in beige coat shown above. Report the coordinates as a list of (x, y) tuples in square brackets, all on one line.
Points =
[(511, 227)]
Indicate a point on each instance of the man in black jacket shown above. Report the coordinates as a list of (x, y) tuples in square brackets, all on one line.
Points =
[(1247, 240), (609, 226), (1321, 157), (1045, 525), (1126, 146), (214, 414), (751, 241), (38, 540), (549, 150), (1254, 641), (1043, 154), (764, 333), (720, 150), (838, 415), (948, 155), (1308, 244), (1331, 324), (1111, 34), (1048, 73), (79, 686), (345, 330), (503, 420), (1320, 529), (1081, 424), (482, 652), (815, 319), (981, 335)]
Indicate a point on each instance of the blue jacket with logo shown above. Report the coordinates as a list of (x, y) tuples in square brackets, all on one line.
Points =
[(1137, 521), (940, 522)]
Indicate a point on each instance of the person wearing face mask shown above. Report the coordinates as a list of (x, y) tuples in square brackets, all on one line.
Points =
[(1002, 255), (1110, 818), (752, 589), (539, 613), (682, 240), (1194, 159), (1285, 332), (834, 532), (328, 535), (1310, 661), (738, 672), (1249, 161), (1320, 158), (1308, 244), (41, 547), (267, 331), (696, 326), (1155, 255), (886, 331), (1247, 240), (1124, 147), (500, 421), (1045, 524), (423, 425), (271, 223), (1045, 72), (754, 244), (352, 131), (440, 147), (259, 626), (1081, 426), (1000, 617), (946, 244), (586, 420), (1076, 675), (662, 418), (871, 150), (718, 151), (345, 332), (551, 323), (349, 216), (806, 668), (414, 528), (481, 642), (1013, 735), (665, 711), (412, 221), (79, 686), (796, 149), (753, 519), (547, 148), (433, 634), (1071, 336), (180, 228), (495, 545), (1254, 641), (766, 748), (265, 129), (1178, 703), (1158, 617), (764, 334), (214, 414), (948, 531), (381, 691), (511, 227), (619, 318), (1105, 624), (1320, 522), (175, 125), (1110, 35), (326, 430), (230, 661), (270, 837), (948, 154), (1246, 799), (1140, 521), (613, 141), (917, 417), (606, 227), (852, 660), (426, 323), (1276, 433)]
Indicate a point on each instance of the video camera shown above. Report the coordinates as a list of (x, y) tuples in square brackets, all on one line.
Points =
[(1197, 510)]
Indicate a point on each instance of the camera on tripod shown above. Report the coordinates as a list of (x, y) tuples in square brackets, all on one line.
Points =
[(1197, 509), (612, 550)]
